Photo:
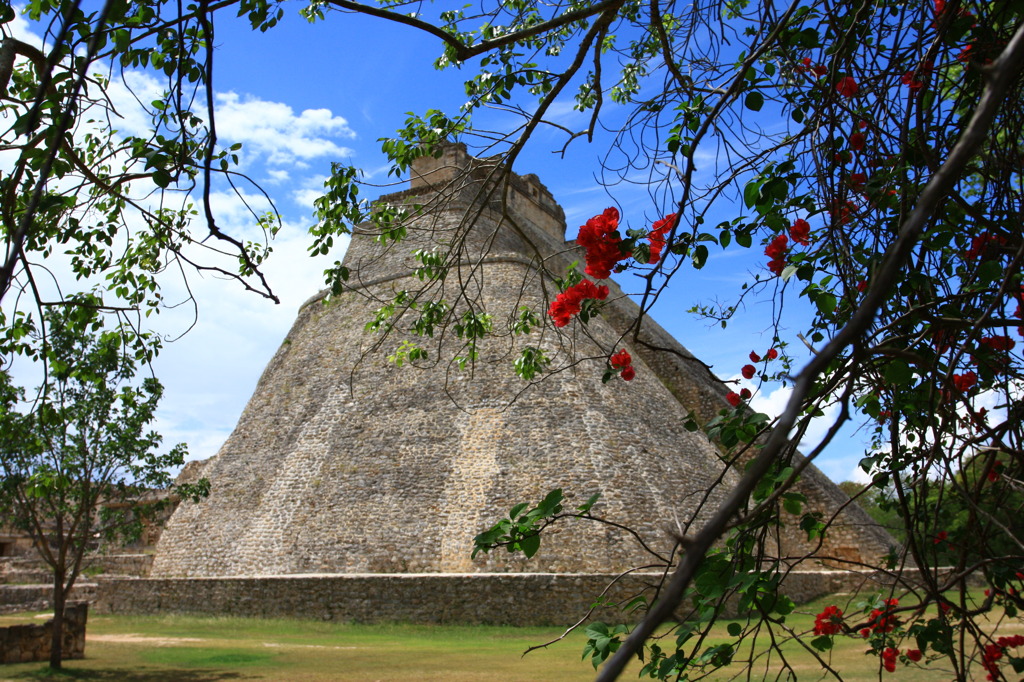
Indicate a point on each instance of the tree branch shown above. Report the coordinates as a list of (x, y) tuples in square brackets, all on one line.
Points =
[(1001, 75)]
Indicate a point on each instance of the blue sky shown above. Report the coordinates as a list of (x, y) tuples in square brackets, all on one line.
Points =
[(301, 96)]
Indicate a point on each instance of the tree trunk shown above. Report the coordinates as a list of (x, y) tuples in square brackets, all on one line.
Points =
[(57, 636)]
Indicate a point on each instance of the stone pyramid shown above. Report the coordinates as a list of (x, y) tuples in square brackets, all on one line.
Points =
[(343, 462)]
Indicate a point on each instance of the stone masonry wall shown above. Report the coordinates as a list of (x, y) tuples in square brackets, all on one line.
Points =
[(522, 599), (29, 643)]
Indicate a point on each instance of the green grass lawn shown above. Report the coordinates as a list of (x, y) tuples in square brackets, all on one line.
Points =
[(171, 648)]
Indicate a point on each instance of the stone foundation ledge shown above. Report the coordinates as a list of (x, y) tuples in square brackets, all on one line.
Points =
[(521, 599), (18, 598), (30, 643)]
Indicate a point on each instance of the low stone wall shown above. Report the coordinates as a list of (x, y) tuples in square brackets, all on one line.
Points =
[(29, 643), (121, 564), (17, 598), (470, 598)]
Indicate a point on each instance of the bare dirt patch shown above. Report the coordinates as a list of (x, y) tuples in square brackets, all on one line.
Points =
[(131, 638)]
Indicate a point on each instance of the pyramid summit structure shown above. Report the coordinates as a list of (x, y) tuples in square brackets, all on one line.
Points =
[(344, 462)]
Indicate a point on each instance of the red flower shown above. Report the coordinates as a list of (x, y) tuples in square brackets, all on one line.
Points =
[(621, 360), (862, 285), (858, 180), (600, 240), (745, 394), (883, 620), (748, 371), (800, 232), (993, 652), (993, 476), (940, 7), (942, 535), (829, 621), (819, 70), (912, 81), (777, 250), (754, 357), (772, 354), (628, 373), (847, 87), (857, 141), (889, 656), (657, 235), (842, 212), (914, 655), (980, 245), (733, 398), (1011, 641), (570, 301), (998, 343), (964, 382)]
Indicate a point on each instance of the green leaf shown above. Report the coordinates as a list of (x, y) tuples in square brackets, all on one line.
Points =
[(754, 101), (823, 643), (898, 372), (530, 545), (735, 629), (826, 303), (750, 195)]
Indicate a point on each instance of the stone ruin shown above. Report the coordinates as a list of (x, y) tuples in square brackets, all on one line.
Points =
[(32, 642), (343, 463)]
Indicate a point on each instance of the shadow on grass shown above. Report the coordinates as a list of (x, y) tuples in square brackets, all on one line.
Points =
[(120, 674)]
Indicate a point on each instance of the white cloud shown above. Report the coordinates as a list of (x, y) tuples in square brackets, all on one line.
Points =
[(276, 176), (273, 129)]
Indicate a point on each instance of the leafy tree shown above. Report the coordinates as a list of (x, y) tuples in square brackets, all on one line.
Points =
[(77, 461), (871, 149), (879, 503)]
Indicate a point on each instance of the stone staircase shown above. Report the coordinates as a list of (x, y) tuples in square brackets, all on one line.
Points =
[(26, 582)]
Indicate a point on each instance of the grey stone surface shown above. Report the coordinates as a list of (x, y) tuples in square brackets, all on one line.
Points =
[(556, 599)]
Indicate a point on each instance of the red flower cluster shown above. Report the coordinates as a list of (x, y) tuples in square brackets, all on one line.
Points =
[(748, 371), (915, 79), (570, 301), (998, 343), (600, 239), (981, 243), (777, 250), (623, 362), (914, 655), (807, 65), (772, 354), (889, 656), (857, 141), (736, 398), (847, 87), (857, 181), (829, 621), (942, 535), (881, 620), (842, 212), (964, 382), (993, 652), (659, 231), (800, 231), (993, 476)]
